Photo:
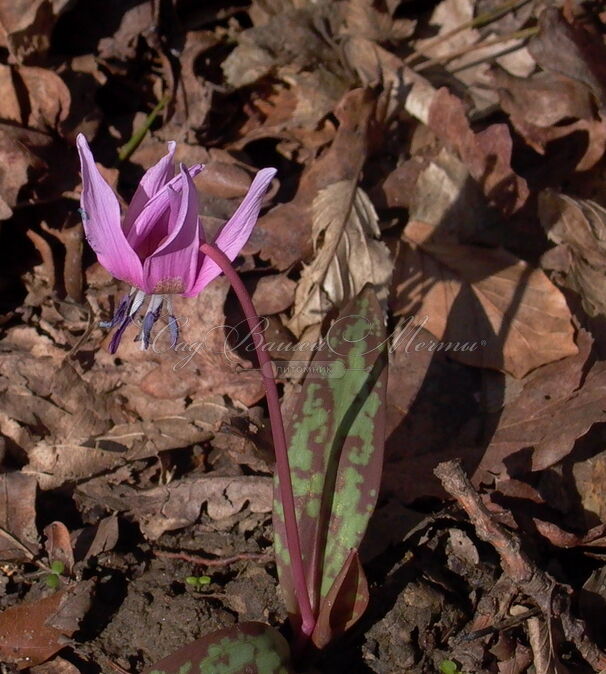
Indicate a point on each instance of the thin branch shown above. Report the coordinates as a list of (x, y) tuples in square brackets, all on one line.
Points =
[(551, 597), (442, 60)]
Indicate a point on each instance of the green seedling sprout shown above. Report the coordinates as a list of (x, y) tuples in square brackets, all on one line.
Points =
[(449, 667), (198, 581), (53, 579)]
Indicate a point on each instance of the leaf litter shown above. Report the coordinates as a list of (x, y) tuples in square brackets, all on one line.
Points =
[(451, 154)]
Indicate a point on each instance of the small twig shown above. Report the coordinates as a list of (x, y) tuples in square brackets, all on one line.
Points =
[(479, 21), (442, 60), (551, 597), (514, 621), (260, 557)]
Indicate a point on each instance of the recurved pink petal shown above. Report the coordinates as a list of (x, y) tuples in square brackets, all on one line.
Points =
[(173, 267), (151, 183), (153, 212), (236, 231), (101, 219)]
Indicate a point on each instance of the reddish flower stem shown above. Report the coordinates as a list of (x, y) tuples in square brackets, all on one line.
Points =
[(293, 542)]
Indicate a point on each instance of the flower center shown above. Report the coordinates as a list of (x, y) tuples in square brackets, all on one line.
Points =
[(169, 286)]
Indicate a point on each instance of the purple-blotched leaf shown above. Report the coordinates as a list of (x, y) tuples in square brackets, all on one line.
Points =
[(247, 648), (336, 438)]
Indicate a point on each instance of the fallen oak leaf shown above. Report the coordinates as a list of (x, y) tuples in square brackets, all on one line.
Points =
[(31, 633)]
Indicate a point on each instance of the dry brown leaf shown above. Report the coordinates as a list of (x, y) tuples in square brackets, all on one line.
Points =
[(444, 196), (273, 294), (470, 71), (349, 256), (17, 164), (516, 318), (540, 426), (48, 98), (579, 228), (55, 666), (54, 464), (284, 234), (194, 95), (178, 504), (570, 50), (94, 540), (137, 20), (544, 99), (27, 26), (361, 18), (589, 476), (58, 545), (539, 107), (486, 154), (59, 402), (18, 516), (31, 633), (544, 650), (287, 37)]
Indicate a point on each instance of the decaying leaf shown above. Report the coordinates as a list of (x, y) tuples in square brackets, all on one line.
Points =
[(570, 50), (31, 633), (178, 504), (47, 97), (344, 223), (27, 26), (18, 516), (247, 648), (336, 454), (284, 234), (486, 154), (579, 228), (55, 666), (557, 405), (485, 306), (547, 107)]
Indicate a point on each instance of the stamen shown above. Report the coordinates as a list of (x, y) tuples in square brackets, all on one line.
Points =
[(152, 315), (119, 314), (115, 343)]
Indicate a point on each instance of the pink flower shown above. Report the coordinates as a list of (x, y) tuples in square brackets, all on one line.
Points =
[(156, 247)]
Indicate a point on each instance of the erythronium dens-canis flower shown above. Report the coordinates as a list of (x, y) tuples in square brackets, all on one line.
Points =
[(156, 246)]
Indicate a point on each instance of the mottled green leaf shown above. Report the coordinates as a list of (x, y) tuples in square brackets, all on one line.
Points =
[(336, 438), (247, 648)]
